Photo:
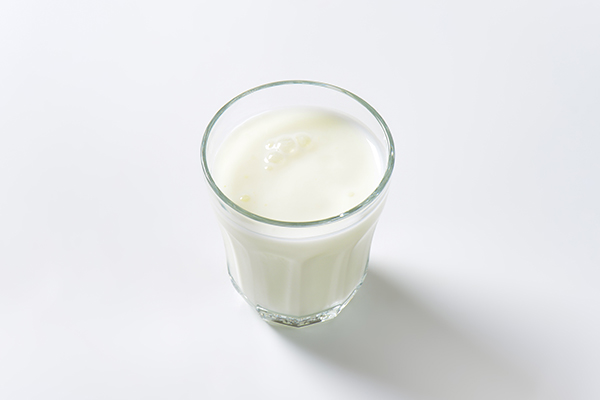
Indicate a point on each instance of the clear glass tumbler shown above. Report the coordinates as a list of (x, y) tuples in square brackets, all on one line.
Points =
[(297, 273)]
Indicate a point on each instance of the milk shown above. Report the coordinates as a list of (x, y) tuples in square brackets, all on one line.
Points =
[(298, 165)]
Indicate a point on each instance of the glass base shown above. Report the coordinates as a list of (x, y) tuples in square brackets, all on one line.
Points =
[(299, 322)]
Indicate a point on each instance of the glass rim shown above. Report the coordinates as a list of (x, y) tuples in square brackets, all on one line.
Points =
[(299, 224)]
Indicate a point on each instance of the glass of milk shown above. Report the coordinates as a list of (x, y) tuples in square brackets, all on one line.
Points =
[(298, 173)]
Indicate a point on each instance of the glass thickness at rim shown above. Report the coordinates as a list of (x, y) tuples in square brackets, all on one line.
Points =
[(298, 224)]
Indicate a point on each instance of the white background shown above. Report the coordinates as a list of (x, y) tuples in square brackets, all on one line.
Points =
[(485, 273)]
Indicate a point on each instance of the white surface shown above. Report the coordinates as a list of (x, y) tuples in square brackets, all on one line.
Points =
[(484, 277)]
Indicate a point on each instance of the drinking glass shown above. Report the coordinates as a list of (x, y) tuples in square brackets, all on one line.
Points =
[(297, 273)]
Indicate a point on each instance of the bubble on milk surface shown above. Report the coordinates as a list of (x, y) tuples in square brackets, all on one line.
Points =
[(274, 158), (303, 140), (281, 148)]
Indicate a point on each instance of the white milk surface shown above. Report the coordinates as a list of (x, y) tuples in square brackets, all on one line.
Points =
[(298, 165)]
